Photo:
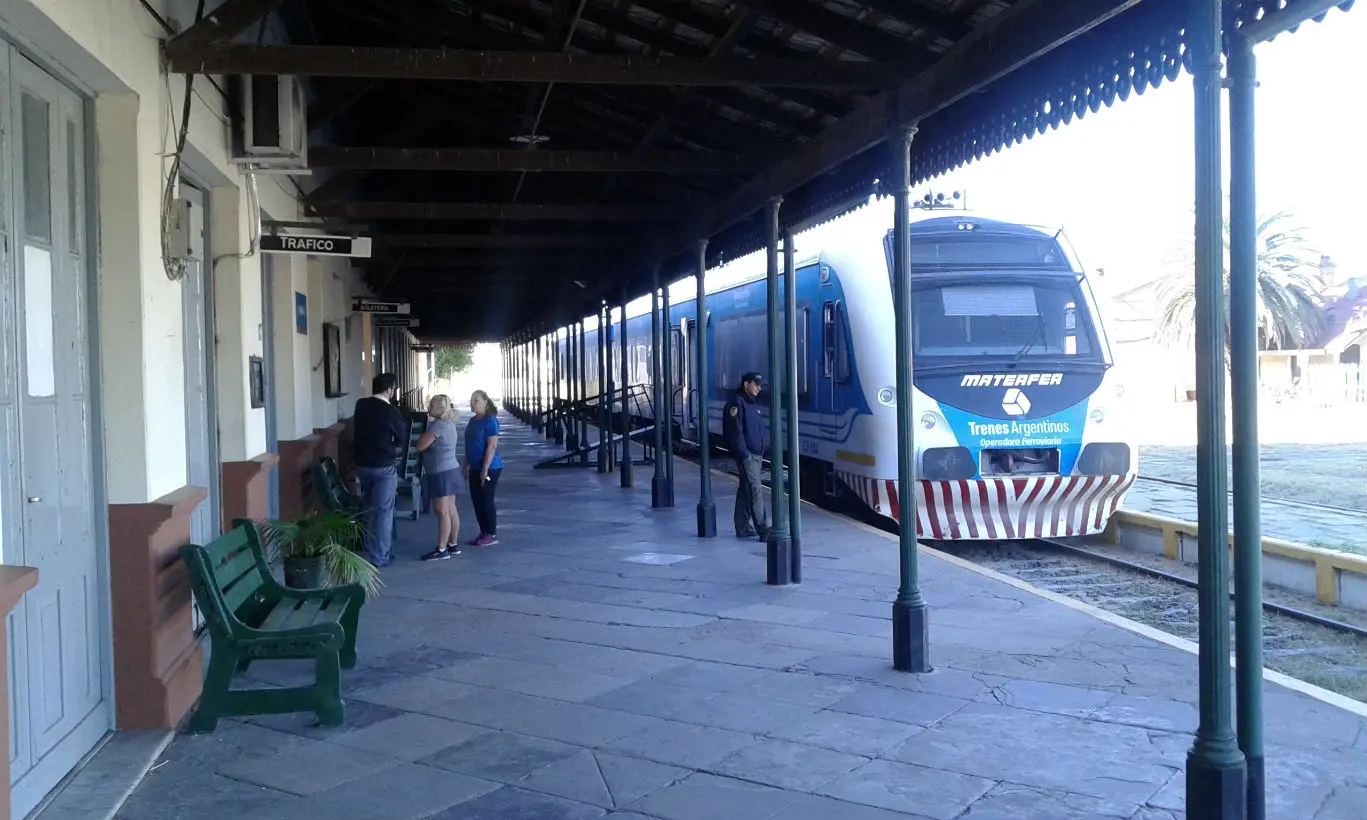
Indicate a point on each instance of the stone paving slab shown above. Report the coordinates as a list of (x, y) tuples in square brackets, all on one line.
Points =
[(555, 678)]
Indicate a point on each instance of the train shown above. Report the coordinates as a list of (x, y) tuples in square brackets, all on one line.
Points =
[(1016, 406)]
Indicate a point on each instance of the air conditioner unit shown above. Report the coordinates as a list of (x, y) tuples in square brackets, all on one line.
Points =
[(274, 131)]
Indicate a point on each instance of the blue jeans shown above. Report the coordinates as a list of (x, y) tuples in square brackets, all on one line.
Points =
[(378, 488)]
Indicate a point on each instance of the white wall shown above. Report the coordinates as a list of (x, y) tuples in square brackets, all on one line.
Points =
[(110, 50)]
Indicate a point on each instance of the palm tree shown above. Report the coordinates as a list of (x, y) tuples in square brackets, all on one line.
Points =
[(1290, 314)]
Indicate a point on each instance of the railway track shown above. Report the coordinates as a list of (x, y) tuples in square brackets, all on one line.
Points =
[(1300, 638), (1172, 482)]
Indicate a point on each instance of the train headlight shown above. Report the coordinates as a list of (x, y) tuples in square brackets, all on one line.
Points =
[(928, 421), (1097, 415), (887, 396)]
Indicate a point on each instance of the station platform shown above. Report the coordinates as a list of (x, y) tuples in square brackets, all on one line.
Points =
[(603, 661), (1309, 524)]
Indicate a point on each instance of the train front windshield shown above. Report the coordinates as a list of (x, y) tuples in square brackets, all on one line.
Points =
[(1003, 320)]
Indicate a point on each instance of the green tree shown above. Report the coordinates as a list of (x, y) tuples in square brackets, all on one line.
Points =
[(453, 359), (1290, 313)]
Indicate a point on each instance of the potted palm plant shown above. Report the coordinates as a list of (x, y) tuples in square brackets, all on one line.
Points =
[(321, 550)]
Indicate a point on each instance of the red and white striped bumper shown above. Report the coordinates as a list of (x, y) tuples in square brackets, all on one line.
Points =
[(997, 508)]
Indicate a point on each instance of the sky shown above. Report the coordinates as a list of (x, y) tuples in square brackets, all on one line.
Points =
[(1120, 181)]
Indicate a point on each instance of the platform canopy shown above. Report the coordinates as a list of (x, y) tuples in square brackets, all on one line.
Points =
[(519, 161)]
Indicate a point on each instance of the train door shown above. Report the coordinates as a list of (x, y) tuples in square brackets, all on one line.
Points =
[(825, 396), (688, 392)]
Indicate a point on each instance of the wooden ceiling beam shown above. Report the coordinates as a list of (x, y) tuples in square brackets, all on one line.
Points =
[(528, 67), (493, 211), (218, 26), (841, 31), (494, 159), (496, 241)]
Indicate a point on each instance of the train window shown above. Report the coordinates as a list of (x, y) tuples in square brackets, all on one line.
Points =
[(841, 358), (676, 354), (1001, 319), (827, 339), (804, 320)]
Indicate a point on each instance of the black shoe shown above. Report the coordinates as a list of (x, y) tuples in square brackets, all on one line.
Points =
[(437, 555), (750, 534)]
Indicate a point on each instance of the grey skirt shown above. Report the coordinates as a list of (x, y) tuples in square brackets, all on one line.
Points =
[(444, 483)]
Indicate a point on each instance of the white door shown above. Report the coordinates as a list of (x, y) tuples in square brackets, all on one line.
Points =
[(201, 427), (58, 647)]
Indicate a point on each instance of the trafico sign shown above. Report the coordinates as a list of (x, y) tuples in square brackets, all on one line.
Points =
[(316, 245)]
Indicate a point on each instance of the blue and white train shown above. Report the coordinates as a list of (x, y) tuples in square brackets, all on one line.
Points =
[(1014, 395)]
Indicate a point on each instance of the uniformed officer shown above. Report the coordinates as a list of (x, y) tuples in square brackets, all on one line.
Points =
[(745, 437)]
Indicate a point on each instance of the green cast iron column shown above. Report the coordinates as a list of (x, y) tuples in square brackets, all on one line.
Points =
[(778, 552), (583, 394), (543, 366), (1243, 356), (628, 474), (658, 483), (790, 400), (604, 425), (1216, 778), (543, 381), (910, 622), (667, 349), (707, 507), (557, 425), (571, 392)]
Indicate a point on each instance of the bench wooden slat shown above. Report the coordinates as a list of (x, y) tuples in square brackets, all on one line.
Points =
[(241, 591), (238, 568), (226, 545)]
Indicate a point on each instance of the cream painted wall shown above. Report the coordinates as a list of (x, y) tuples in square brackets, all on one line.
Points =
[(110, 50)]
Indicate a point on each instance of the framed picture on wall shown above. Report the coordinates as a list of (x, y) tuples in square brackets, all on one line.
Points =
[(256, 375), (332, 361), (301, 314)]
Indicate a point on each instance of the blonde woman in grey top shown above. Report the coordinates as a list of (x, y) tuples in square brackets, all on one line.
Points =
[(441, 474)]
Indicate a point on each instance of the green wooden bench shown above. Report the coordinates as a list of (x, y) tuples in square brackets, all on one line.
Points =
[(252, 617), (333, 494)]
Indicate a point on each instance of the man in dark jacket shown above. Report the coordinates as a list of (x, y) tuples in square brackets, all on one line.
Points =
[(379, 437), (745, 435)]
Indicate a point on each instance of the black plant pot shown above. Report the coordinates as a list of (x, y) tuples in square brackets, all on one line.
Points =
[(303, 573)]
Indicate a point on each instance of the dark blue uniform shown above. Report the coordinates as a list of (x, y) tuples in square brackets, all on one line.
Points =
[(743, 428), (745, 435)]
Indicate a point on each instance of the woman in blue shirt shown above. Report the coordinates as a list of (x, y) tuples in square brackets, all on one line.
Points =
[(483, 465)]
